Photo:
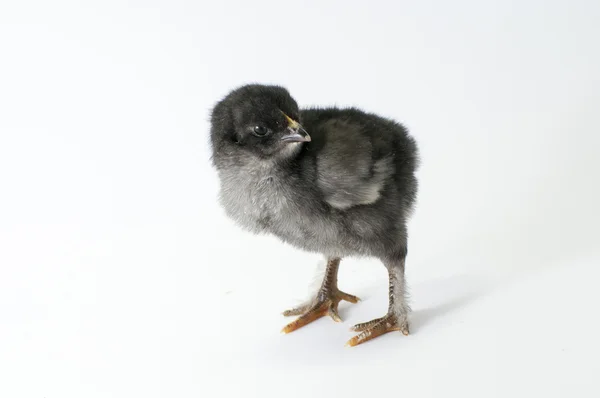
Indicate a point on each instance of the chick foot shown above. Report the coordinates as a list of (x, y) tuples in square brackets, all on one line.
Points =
[(326, 303), (377, 327)]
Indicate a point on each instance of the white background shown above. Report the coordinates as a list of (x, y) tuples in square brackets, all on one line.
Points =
[(121, 277)]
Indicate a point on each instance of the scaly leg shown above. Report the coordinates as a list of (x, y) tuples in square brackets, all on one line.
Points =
[(325, 302), (397, 316)]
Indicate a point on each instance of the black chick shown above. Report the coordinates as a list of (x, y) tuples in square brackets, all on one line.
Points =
[(340, 182)]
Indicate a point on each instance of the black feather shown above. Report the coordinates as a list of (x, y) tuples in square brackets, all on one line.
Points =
[(347, 192)]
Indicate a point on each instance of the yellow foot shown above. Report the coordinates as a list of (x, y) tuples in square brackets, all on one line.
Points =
[(325, 303), (377, 327)]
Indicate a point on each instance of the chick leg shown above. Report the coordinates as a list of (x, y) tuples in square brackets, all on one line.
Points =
[(325, 302), (397, 316)]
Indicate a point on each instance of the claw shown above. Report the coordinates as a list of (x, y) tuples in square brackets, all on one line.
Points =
[(365, 325), (350, 298), (310, 316), (296, 311), (377, 327), (326, 305), (333, 312)]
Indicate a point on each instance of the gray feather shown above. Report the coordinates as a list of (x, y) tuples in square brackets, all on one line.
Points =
[(347, 172)]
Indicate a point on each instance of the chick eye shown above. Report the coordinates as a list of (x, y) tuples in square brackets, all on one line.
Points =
[(260, 131)]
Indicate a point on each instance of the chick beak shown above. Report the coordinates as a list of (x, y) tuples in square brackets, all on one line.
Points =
[(295, 132)]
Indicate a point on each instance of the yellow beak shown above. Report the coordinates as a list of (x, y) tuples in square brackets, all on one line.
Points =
[(291, 122), (296, 132)]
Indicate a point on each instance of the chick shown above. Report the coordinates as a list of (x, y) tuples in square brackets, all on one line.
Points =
[(340, 182)]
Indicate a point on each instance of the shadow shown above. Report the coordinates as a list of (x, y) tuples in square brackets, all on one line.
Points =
[(421, 318), (537, 218), (441, 297), (432, 299)]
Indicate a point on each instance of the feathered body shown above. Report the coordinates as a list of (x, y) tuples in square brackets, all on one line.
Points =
[(348, 191)]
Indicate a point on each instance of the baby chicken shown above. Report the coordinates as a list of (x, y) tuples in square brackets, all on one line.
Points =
[(340, 182)]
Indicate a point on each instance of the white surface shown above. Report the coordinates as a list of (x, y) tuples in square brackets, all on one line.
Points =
[(120, 276)]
